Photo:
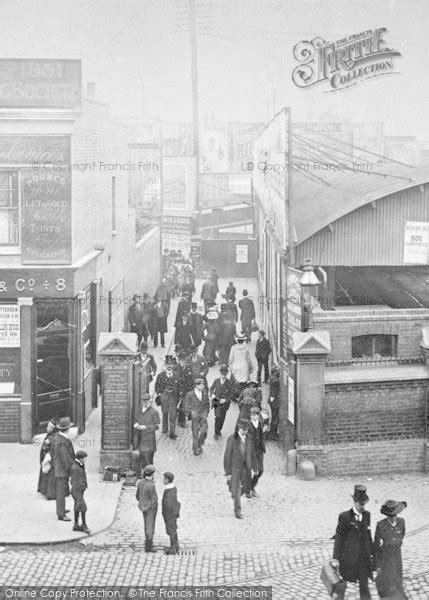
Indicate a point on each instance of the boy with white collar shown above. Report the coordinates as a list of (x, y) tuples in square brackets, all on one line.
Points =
[(171, 511)]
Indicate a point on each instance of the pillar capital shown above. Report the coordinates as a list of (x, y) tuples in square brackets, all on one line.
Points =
[(311, 344)]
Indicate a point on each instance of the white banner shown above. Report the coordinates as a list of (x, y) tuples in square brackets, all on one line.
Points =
[(10, 336)]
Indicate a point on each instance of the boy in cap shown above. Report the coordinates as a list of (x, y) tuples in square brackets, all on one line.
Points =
[(171, 511), (78, 486), (144, 437), (148, 504), (353, 549)]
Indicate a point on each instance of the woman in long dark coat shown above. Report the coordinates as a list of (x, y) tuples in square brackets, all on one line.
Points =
[(46, 484), (389, 535)]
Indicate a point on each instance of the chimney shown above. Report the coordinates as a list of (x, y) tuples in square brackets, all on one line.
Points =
[(90, 90)]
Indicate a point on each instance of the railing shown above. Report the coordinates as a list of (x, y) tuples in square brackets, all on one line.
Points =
[(377, 362)]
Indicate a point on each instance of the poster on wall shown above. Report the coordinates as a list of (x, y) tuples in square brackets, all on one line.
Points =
[(416, 243), (241, 253), (10, 336), (178, 184), (291, 399), (176, 234)]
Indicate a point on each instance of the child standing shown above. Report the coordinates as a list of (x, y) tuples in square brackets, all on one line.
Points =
[(171, 512), (78, 486)]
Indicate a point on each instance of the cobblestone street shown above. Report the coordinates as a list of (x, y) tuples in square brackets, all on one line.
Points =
[(282, 541)]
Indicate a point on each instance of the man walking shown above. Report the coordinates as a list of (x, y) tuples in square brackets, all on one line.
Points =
[(171, 511), (198, 364), (214, 278), (208, 294), (247, 314), (135, 318), (167, 387), (237, 464), (162, 293), (353, 549), (240, 364), (144, 439), (257, 449), (148, 504), (198, 407), (186, 384), (221, 393), (63, 458), (262, 353), (145, 357), (197, 324), (183, 308)]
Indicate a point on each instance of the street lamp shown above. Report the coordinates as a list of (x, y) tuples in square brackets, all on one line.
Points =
[(309, 284)]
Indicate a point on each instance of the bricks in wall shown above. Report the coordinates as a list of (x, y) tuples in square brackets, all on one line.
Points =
[(9, 421)]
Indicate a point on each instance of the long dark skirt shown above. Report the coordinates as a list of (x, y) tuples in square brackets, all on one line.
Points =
[(46, 485), (389, 582)]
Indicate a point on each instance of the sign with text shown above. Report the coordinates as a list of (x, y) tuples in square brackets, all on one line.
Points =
[(34, 149), (241, 253), (40, 83), (176, 233), (416, 243), (39, 283), (116, 407), (46, 217), (9, 326)]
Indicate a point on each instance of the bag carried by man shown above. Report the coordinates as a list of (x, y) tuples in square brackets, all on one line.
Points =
[(332, 579)]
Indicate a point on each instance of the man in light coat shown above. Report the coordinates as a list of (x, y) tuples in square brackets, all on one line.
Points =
[(148, 504), (240, 363)]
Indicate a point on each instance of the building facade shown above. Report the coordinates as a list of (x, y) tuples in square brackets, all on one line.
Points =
[(67, 246)]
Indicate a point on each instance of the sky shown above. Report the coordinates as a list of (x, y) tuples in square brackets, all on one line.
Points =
[(138, 54)]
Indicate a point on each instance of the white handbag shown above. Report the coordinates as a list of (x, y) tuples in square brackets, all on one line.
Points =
[(47, 463)]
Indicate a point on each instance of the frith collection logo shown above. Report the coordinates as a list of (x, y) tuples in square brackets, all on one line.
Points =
[(343, 63)]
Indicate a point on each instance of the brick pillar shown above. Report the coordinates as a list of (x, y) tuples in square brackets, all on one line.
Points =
[(311, 349), (26, 370), (424, 345)]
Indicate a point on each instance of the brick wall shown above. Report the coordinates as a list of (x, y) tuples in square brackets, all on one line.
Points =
[(365, 412), (10, 422), (393, 456), (342, 326)]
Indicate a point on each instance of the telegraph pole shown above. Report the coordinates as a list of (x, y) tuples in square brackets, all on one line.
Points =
[(194, 76), (289, 190)]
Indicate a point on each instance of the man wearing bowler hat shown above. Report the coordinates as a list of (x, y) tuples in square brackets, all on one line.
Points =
[(144, 439), (221, 393), (63, 458), (198, 407), (353, 548), (148, 504)]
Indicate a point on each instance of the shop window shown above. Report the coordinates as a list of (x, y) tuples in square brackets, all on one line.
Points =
[(10, 371), (374, 346), (9, 218)]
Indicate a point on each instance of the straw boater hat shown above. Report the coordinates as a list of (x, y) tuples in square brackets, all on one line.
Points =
[(391, 508), (240, 336), (64, 424)]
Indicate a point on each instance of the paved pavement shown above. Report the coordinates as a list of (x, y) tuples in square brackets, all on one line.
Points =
[(282, 541)]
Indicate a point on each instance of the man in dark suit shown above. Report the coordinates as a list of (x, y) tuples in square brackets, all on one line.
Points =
[(148, 504), (168, 388), (221, 393), (162, 293), (198, 364), (262, 354), (257, 449), (183, 308), (214, 278), (197, 324), (144, 437), (186, 384), (353, 548), (237, 462), (171, 512), (231, 291), (247, 314), (198, 407), (145, 357), (208, 294), (63, 458), (135, 318)]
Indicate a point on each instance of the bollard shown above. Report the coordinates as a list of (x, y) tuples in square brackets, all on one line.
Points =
[(291, 462), (307, 470)]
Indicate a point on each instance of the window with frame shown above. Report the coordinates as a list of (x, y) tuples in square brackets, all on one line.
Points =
[(9, 203), (374, 346)]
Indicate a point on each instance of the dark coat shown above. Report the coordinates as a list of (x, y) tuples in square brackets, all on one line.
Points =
[(247, 311), (214, 278), (189, 287), (146, 495), (227, 331), (263, 349), (195, 405), (183, 336), (145, 439), (151, 363), (183, 308), (353, 544), (161, 313), (274, 386), (152, 320), (78, 481), (211, 330), (164, 383), (236, 457), (257, 446), (199, 365), (231, 290), (197, 326), (186, 378), (170, 505), (221, 391), (163, 293), (63, 455), (232, 307), (135, 318), (46, 483), (208, 291), (387, 547)]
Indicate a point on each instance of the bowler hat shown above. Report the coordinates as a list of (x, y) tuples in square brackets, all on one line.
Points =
[(146, 397), (169, 475), (198, 380), (243, 423), (223, 369), (148, 470), (81, 454), (64, 423), (360, 494), (194, 305), (169, 359), (392, 507)]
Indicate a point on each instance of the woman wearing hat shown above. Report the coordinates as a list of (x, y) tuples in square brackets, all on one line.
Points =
[(46, 485), (389, 535)]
